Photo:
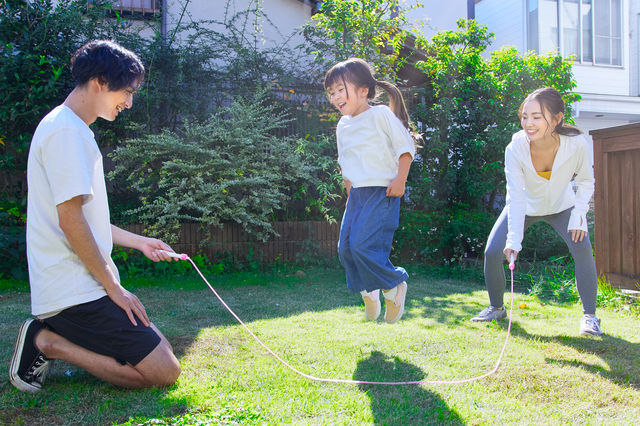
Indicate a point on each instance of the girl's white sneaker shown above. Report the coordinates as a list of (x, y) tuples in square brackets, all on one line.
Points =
[(371, 304), (395, 309)]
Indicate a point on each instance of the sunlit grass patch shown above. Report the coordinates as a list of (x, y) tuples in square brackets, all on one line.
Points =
[(549, 374)]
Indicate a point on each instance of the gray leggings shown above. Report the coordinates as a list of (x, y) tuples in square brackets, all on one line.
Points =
[(586, 276)]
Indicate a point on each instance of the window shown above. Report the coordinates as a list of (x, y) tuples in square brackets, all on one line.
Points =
[(543, 25), (587, 31), (571, 28), (590, 30), (136, 7), (608, 32)]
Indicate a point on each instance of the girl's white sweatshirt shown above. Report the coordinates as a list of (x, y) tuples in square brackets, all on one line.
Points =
[(369, 146)]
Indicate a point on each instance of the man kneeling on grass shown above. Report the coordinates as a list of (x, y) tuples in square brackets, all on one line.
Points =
[(83, 315)]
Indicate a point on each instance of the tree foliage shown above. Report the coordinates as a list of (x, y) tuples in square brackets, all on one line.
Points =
[(467, 115), (374, 30), (206, 64), (38, 38)]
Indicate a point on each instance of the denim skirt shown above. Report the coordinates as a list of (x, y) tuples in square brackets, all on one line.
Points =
[(366, 236)]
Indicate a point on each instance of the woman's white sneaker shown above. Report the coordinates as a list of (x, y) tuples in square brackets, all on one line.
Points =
[(490, 313), (590, 326)]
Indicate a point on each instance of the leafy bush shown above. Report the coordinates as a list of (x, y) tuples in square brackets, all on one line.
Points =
[(374, 30), (13, 252), (442, 237), (230, 168), (38, 38), (555, 284), (542, 242), (469, 114), (133, 264)]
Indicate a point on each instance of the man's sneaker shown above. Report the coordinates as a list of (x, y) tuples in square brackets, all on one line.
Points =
[(491, 313), (590, 326), (28, 366)]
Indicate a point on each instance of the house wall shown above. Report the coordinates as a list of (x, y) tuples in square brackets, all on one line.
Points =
[(285, 16), (634, 48), (602, 80), (438, 16), (506, 19)]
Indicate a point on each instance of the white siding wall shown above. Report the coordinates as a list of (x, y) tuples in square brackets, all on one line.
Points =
[(505, 18), (438, 15), (634, 47), (602, 80), (285, 15)]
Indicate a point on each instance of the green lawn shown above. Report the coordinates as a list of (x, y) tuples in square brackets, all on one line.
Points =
[(549, 374)]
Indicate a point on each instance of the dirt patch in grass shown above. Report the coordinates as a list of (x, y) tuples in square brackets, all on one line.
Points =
[(28, 416), (180, 344)]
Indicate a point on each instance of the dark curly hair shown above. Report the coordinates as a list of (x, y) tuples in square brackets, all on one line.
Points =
[(110, 63)]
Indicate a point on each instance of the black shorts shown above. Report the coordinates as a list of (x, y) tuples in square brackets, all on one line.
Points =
[(103, 327)]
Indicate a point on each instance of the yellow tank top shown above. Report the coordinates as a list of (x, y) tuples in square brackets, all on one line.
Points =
[(546, 175)]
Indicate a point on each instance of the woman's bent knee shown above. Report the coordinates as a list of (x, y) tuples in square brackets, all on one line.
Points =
[(493, 253)]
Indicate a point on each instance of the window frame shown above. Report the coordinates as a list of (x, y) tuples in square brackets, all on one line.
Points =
[(581, 45), (135, 12)]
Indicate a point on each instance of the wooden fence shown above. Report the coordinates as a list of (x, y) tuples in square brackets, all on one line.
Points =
[(617, 204), (305, 238)]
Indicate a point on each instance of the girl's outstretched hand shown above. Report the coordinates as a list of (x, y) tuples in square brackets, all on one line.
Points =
[(396, 188), (577, 235)]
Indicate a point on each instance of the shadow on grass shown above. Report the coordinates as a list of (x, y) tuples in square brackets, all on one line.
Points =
[(622, 357), (317, 292), (401, 404), (73, 396)]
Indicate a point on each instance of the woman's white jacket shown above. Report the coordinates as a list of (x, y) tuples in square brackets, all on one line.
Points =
[(530, 194)]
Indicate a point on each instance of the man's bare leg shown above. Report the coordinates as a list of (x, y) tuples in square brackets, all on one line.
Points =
[(159, 368)]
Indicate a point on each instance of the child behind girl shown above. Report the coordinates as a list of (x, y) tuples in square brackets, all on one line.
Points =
[(375, 151)]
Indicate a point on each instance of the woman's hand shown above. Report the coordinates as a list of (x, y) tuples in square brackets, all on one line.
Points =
[(577, 235), (509, 252)]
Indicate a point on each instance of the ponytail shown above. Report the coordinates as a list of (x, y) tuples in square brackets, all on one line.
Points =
[(397, 105), (396, 102), (567, 129)]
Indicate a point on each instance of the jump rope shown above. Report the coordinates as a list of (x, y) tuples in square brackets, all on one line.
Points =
[(355, 382)]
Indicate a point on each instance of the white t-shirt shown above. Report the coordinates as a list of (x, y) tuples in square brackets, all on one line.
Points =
[(369, 146), (532, 195), (64, 162)]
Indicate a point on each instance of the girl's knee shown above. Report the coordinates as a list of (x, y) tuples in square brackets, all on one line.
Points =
[(359, 250)]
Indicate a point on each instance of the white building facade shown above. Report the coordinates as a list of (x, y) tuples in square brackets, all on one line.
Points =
[(601, 35)]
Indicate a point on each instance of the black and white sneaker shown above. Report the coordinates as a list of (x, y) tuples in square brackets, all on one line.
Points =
[(28, 366)]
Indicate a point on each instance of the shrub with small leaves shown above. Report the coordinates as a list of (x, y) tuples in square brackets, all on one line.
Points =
[(231, 168)]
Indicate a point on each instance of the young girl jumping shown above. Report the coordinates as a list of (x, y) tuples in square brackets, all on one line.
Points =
[(540, 163), (375, 150)]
